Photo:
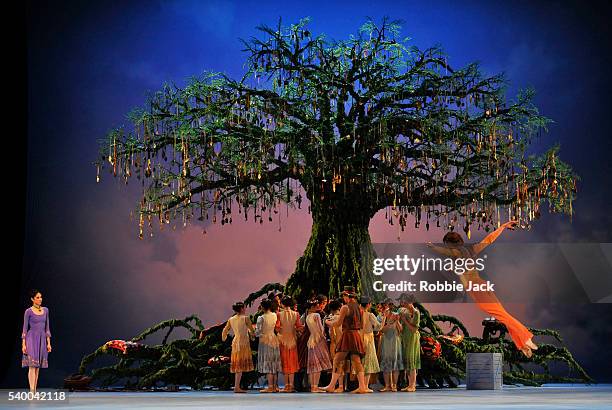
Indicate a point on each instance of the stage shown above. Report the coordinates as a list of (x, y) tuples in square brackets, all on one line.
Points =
[(551, 396)]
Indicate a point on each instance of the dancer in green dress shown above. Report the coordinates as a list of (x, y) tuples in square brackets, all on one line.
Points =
[(391, 362), (410, 319)]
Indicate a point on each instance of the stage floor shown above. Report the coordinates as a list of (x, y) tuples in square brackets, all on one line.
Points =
[(547, 397)]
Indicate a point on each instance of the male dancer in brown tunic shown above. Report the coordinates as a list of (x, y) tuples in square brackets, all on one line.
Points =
[(350, 342)]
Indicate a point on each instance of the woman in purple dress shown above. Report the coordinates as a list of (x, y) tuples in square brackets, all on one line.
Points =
[(36, 339)]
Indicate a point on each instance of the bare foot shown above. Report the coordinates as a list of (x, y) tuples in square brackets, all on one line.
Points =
[(267, 390), (532, 345), (340, 389), (385, 389), (239, 391)]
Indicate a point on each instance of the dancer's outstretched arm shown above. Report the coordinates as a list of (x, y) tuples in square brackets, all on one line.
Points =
[(339, 319), (490, 238)]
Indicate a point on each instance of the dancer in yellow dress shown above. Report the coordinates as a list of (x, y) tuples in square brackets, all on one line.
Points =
[(241, 359)]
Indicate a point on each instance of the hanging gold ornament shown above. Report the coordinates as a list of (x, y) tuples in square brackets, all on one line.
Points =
[(140, 226), (114, 157)]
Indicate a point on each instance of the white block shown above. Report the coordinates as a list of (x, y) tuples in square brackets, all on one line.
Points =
[(484, 371)]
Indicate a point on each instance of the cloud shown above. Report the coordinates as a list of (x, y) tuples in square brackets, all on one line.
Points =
[(180, 272)]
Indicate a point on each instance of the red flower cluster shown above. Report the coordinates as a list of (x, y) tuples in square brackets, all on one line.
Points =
[(121, 345), (217, 360), (430, 348)]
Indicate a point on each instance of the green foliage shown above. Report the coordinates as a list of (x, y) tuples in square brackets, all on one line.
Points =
[(363, 123), (262, 292)]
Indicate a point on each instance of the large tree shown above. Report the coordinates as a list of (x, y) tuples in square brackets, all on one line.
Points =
[(357, 126)]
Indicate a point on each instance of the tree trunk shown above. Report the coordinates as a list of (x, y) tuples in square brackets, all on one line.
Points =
[(338, 254)]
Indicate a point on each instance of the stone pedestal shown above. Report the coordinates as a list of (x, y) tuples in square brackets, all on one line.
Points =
[(484, 371)]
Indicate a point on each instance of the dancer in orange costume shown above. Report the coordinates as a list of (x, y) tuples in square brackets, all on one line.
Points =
[(486, 300), (288, 326)]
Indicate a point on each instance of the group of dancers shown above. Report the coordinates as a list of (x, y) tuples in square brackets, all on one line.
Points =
[(343, 337), (289, 343)]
